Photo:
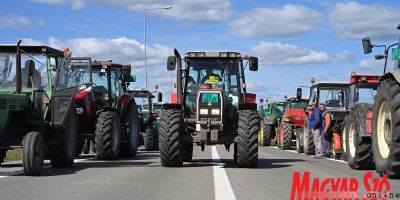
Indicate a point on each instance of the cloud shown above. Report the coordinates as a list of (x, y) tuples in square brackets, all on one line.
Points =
[(270, 22), (14, 22), (353, 20), (376, 64), (288, 54), (75, 4), (193, 10)]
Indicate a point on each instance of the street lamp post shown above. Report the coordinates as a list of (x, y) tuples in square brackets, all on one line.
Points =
[(145, 35)]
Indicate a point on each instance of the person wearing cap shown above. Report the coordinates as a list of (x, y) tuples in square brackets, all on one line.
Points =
[(316, 126), (326, 124)]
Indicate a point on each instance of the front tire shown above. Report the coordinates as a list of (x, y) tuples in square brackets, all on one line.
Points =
[(386, 128), (299, 144), (63, 152), (150, 139), (171, 144), (108, 135), (33, 153), (247, 149), (268, 132), (131, 131), (308, 140), (287, 136)]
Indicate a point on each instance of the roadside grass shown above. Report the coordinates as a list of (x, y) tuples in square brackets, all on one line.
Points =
[(12, 155)]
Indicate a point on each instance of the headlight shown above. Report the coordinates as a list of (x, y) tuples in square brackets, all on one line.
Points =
[(203, 111), (215, 111)]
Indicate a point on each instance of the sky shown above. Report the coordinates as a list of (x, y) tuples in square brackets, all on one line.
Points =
[(294, 40)]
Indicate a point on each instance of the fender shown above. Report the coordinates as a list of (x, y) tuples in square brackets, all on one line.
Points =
[(392, 74), (107, 108), (170, 106), (247, 106), (123, 104)]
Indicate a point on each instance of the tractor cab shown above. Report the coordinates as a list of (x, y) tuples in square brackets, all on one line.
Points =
[(362, 89), (333, 95), (144, 100)]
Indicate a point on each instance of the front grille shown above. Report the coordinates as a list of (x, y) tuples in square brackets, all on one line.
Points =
[(12, 104), (3, 104)]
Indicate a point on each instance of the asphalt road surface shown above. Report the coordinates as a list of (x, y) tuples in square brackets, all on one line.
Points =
[(211, 175)]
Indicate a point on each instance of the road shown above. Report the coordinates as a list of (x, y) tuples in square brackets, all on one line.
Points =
[(143, 177)]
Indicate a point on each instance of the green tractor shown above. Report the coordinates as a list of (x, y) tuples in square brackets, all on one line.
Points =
[(34, 113), (271, 115)]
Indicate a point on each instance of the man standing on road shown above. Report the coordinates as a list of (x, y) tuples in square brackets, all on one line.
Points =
[(326, 138), (316, 126)]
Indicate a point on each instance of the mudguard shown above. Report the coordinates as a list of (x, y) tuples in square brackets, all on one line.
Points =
[(169, 106), (123, 104), (392, 74), (61, 101), (247, 106), (360, 111)]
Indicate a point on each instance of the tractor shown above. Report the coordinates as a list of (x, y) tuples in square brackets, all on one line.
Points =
[(148, 117), (107, 115), (212, 107), (333, 95), (386, 113), (357, 128), (292, 122), (35, 113), (271, 116)]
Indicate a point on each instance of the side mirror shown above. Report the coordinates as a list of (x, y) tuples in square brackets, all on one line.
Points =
[(130, 79), (367, 46), (171, 63), (253, 63), (299, 93), (159, 97)]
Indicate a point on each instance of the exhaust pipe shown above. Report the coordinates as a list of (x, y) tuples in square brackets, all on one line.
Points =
[(178, 77), (18, 69)]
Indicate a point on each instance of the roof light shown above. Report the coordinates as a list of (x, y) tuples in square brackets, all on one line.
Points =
[(312, 80), (201, 54), (363, 78), (353, 73), (192, 54), (223, 54), (232, 55)]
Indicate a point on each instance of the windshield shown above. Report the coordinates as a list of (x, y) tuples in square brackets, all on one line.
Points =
[(362, 93), (297, 104), (38, 62), (219, 73), (334, 98)]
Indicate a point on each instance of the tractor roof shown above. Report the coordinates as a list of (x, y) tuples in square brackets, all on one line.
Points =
[(363, 78), (140, 92), (332, 84), (211, 54), (106, 64), (32, 49)]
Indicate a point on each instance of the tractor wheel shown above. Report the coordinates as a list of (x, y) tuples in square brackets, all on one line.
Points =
[(187, 152), (279, 136), (108, 135), (308, 140), (287, 136), (386, 128), (149, 139), (267, 134), (33, 153), (359, 151), (299, 144), (131, 127), (247, 150), (2, 156), (86, 147), (63, 152), (235, 145), (344, 138), (171, 144)]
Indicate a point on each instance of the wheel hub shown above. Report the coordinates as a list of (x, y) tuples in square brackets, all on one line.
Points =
[(384, 129)]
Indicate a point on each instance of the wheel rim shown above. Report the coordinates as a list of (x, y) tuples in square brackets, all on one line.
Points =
[(344, 139), (352, 145), (384, 129), (115, 137)]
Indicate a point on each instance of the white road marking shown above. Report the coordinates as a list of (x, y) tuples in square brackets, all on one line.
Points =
[(14, 173), (294, 151), (222, 186)]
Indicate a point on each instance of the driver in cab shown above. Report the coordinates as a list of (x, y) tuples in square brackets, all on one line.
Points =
[(210, 77)]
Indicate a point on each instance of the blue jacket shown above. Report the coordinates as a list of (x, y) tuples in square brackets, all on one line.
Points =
[(316, 119)]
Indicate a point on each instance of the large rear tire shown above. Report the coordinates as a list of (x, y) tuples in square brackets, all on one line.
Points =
[(171, 144), (131, 129), (386, 128), (108, 135), (63, 152), (344, 138), (359, 151), (33, 147), (150, 139), (287, 136), (247, 149), (268, 131), (308, 140)]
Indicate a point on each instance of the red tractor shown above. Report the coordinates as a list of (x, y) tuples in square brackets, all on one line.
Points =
[(292, 122), (356, 137), (107, 115)]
